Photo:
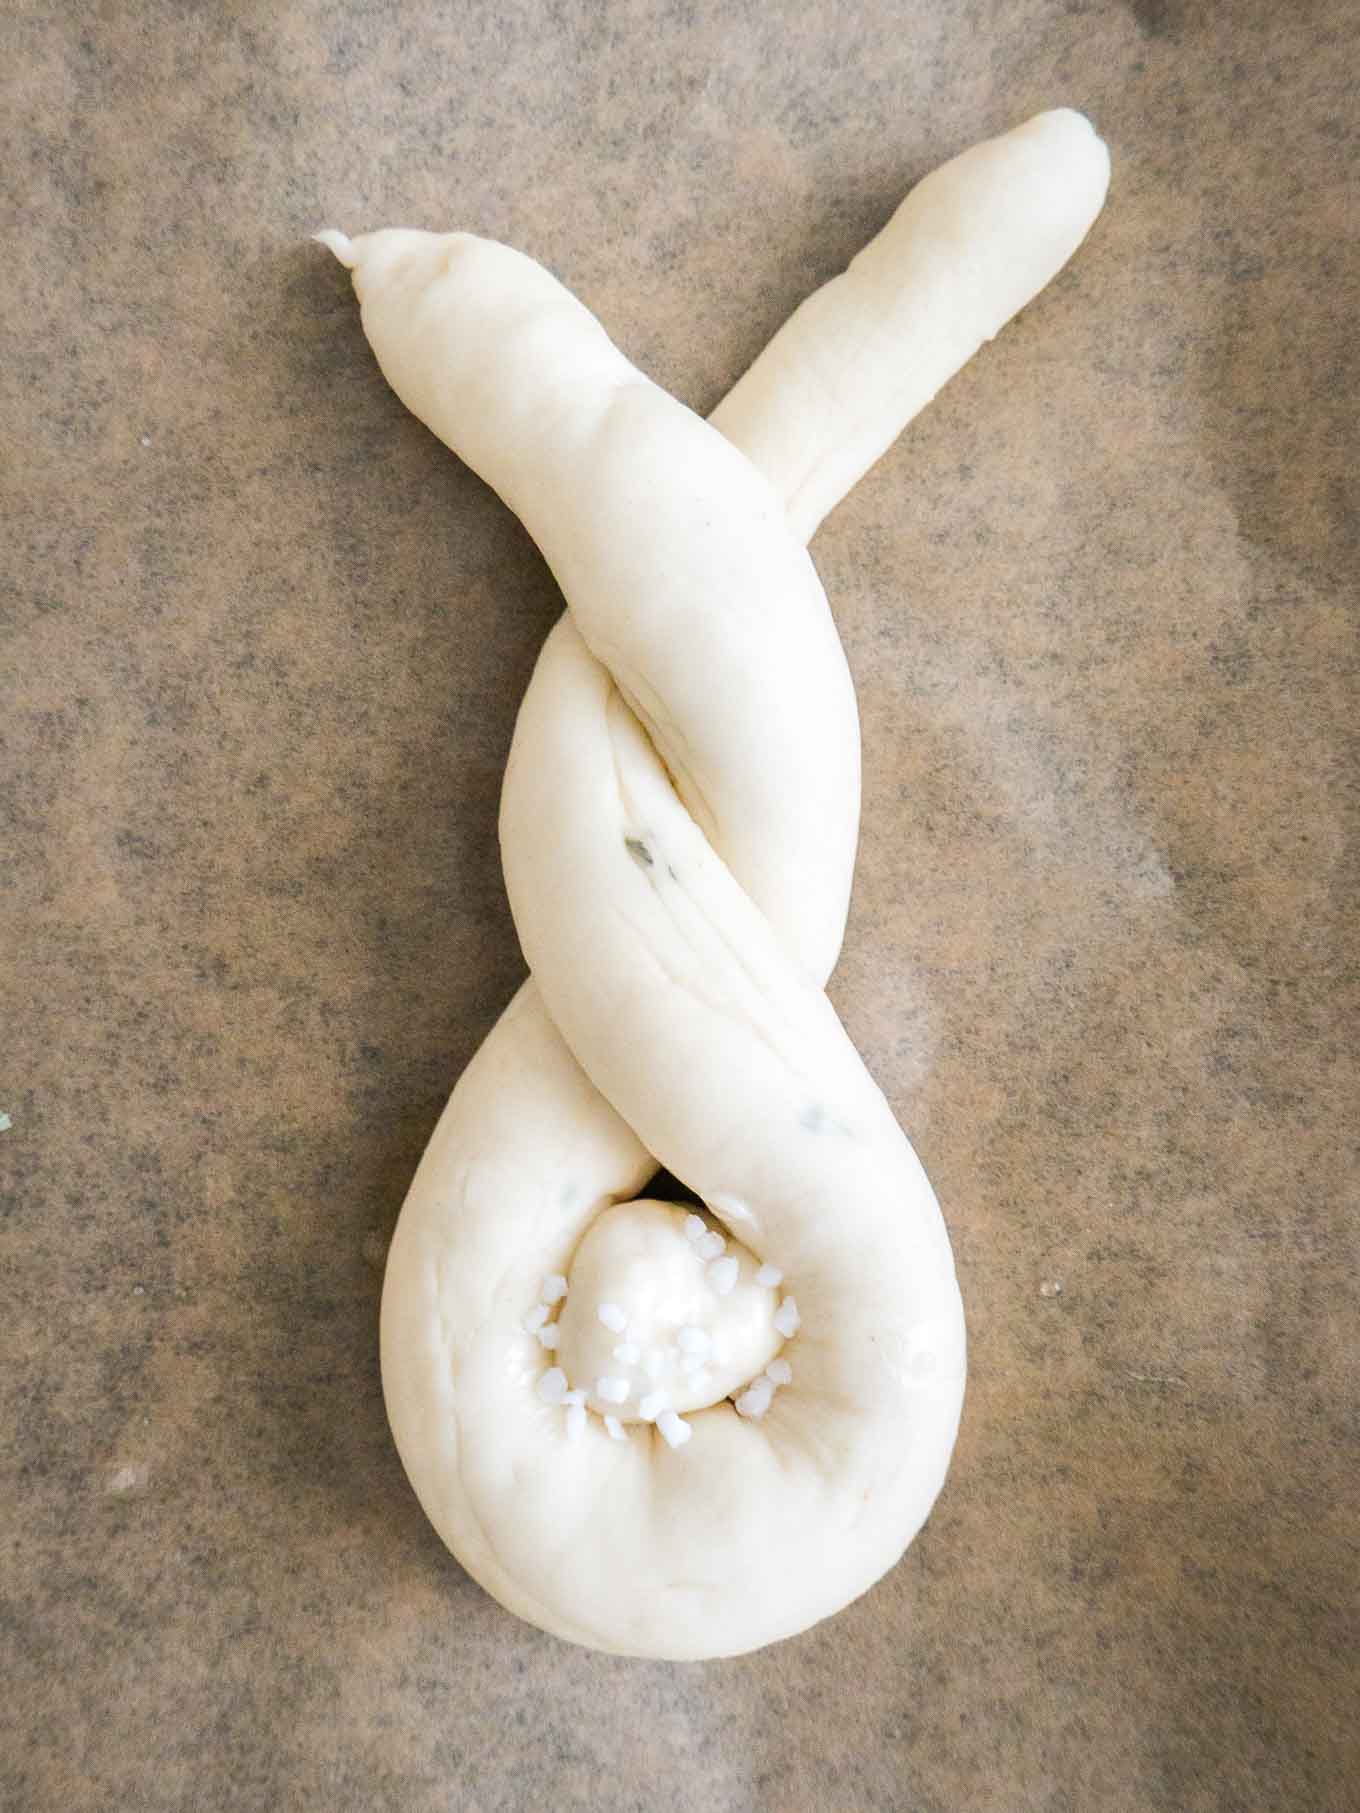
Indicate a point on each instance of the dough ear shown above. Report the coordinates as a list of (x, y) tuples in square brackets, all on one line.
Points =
[(972, 244)]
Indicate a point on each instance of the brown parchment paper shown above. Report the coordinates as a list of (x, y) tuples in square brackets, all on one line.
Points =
[(263, 645)]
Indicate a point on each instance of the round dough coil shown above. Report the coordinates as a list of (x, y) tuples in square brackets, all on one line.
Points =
[(649, 1430)]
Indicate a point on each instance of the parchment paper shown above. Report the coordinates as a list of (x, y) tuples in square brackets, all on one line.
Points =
[(264, 642)]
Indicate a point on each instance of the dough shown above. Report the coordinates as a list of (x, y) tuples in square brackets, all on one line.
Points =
[(678, 826)]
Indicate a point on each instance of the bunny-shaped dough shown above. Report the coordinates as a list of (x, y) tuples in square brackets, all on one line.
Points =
[(653, 1431)]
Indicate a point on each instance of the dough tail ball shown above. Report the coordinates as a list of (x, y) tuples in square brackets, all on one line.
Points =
[(654, 1431)]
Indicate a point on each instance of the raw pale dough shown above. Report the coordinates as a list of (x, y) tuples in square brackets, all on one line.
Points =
[(678, 829)]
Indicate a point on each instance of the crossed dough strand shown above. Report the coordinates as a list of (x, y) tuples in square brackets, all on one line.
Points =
[(678, 827)]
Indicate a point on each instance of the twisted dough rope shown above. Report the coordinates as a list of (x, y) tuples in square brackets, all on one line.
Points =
[(678, 827)]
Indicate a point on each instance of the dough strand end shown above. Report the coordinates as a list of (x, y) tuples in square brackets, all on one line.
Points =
[(339, 243)]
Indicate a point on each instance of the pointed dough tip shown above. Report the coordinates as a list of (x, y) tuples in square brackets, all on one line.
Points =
[(339, 243)]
